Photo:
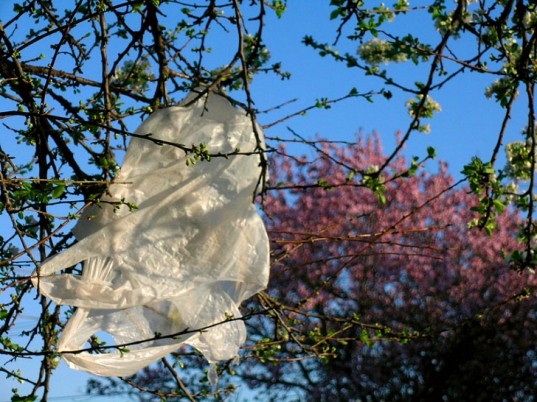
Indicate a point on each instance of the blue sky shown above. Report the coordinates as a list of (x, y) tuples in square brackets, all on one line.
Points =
[(467, 125)]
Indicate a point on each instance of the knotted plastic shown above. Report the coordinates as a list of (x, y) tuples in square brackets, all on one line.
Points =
[(185, 259)]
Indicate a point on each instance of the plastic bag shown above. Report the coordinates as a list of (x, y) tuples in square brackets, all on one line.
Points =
[(185, 259)]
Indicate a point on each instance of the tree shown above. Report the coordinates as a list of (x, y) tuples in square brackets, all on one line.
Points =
[(431, 310), (67, 120)]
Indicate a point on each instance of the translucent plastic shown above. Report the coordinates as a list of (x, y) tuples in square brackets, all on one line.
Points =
[(190, 253)]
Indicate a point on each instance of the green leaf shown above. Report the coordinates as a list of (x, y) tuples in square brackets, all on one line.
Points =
[(364, 337), (279, 7), (336, 13), (122, 351), (322, 182), (27, 398), (58, 191), (381, 197), (499, 205)]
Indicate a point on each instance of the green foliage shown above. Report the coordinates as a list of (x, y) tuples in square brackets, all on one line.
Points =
[(375, 182), (503, 90), (198, 153), (135, 75), (279, 7), (486, 183), (519, 161), (17, 398), (422, 108)]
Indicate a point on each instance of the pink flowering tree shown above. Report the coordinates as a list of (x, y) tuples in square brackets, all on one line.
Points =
[(401, 300)]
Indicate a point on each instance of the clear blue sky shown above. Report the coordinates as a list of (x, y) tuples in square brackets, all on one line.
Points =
[(466, 126)]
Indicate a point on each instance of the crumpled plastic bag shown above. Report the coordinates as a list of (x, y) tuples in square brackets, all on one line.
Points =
[(185, 259)]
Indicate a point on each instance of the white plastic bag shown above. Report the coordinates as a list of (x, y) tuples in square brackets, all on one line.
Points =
[(191, 252)]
